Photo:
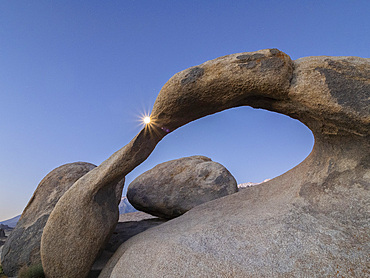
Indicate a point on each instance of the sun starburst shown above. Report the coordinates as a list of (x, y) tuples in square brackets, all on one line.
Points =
[(146, 120)]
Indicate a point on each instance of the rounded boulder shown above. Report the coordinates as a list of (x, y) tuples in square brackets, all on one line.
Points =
[(172, 188), (23, 245)]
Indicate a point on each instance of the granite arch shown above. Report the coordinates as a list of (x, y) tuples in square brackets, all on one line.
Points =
[(319, 206)]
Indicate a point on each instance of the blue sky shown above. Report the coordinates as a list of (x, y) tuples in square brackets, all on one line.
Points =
[(76, 75)]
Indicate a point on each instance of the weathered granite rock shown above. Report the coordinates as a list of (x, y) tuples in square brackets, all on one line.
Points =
[(93, 222), (2, 233), (23, 245), (172, 188), (311, 221), (88, 212)]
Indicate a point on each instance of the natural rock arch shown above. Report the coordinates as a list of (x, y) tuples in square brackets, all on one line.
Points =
[(319, 206)]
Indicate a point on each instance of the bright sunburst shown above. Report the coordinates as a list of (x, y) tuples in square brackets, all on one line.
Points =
[(146, 120)]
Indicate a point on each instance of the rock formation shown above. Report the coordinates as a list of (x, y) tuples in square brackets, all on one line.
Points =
[(2, 233), (23, 245), (88, 212), (86, 215), (311, 221), (174, 187)]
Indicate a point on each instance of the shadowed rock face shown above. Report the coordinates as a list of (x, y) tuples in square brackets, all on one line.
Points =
[(310, 221)]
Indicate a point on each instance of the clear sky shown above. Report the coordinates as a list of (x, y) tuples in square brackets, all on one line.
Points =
[(76, 75)]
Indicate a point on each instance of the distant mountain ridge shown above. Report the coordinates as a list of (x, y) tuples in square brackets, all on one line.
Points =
[(249, 184), (12, 222), (125, 207)]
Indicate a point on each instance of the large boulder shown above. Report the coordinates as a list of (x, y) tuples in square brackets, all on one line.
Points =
[(311, 221), (23, 245), (172, 188)]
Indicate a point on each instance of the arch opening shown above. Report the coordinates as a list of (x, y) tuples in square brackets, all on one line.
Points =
[(253, 144)]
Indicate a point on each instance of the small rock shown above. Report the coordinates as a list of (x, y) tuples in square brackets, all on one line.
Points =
[(174, 187)]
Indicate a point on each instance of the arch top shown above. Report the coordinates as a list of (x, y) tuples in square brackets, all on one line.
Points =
[(328, 94)]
